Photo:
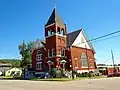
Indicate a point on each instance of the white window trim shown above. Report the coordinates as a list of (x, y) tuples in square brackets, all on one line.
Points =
[(49, 33), (58, 55), (84, 67), (37, 65), (49, 25), (60, 35), (37, 57), (82, 61), (55, 34), (76, 67)]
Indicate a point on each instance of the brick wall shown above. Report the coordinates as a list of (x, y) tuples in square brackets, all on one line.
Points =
[(76, 52)]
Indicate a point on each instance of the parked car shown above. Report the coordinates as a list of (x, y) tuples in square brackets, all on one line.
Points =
[(116, 74)]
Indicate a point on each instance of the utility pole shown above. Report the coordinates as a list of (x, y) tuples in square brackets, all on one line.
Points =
[(113, 61)]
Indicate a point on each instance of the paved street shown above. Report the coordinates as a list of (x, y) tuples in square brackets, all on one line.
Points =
[(94, 84)]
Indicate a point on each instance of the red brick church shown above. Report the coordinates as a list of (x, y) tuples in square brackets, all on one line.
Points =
[(60, 49)]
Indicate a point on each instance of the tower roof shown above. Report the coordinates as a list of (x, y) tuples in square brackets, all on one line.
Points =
[(54, 18)]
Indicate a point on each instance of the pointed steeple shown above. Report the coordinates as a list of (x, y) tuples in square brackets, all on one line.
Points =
[(54, 18)]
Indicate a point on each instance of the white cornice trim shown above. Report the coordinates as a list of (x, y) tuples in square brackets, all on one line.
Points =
[(55, 34), (60, 35), (49, 25), (54, 56), (49, 36), (84, 67)]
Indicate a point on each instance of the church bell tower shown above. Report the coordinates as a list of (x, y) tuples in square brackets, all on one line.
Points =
[(55, 35)]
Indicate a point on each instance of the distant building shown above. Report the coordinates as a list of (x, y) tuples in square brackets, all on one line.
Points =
[(105, 69), (4, 67), (60, 49)]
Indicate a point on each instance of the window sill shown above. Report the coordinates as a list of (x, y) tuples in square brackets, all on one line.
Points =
[(58, 55), (60, 35), (84, 67), (76, 67)]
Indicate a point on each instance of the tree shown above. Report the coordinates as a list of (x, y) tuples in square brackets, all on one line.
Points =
[(25, 51), (13, 62)]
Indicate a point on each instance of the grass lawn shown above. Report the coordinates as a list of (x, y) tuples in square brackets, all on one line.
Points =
[(67, 79), (96, 77), (52, 79), (5, 77)]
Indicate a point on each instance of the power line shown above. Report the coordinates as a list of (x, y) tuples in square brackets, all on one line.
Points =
[(107, 38), (104, 36), (107, 60), (98, 60), (97, 38)]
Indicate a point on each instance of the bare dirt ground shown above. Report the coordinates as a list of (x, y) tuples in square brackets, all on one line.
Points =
[(90, 84)]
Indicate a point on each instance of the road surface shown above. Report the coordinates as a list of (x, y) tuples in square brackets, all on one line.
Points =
[(91, 84)]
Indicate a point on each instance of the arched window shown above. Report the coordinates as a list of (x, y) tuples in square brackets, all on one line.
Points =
[(39, 56), (53, 32), (58, 30), (62, 31), (49, 32), (84, 60)]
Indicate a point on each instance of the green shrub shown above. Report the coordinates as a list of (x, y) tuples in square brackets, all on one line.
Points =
[(54, 72), (58, 74)]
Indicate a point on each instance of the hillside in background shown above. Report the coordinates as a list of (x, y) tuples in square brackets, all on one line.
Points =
[(14, 62)]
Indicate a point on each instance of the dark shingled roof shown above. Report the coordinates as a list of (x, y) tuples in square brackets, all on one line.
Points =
[(55, 18), (71, 37)]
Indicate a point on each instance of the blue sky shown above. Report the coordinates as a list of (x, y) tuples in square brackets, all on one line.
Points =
[(25, 20)]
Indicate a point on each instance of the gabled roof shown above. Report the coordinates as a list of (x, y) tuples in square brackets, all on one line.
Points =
[(71, 37), (87, 40), (54, 18), (74, 39), (38, 44)]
